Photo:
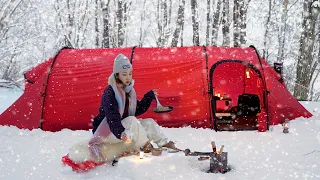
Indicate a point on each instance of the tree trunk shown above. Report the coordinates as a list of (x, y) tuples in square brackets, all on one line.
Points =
[(70, 24), (317, 98), (182, 29), (195, 22), (159, 24), (266, 33), (240, 22), (161, 7), (236, 23), (313, 83), (106, 25), (226, 23), (306, 64), (166, 25), (126, 7), (179, 24), (317, 63), (142, 19), (282, 34), (208, 23), (169, 14), (96, 23), (119, 23), (163, 18), (243, 20), (216, 24)]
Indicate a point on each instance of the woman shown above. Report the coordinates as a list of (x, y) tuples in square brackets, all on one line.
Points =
[(116, 129)]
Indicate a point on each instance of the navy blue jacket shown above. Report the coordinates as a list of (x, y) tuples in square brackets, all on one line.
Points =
[(109, 108)]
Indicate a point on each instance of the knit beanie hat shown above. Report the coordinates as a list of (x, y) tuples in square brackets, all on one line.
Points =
[(121, 63)]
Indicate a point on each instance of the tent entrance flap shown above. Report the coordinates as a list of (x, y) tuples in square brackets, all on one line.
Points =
[(237, 95)]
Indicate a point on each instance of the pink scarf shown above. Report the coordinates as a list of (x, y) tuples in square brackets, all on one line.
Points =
[(120, 94)]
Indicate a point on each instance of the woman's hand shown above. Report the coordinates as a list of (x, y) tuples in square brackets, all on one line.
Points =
[(155, 92), (126, 136)]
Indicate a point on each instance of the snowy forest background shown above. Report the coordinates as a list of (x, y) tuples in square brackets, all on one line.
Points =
[(284, 31)]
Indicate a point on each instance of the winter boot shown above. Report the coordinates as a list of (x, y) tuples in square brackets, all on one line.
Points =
[(147, 147), (170, 145)]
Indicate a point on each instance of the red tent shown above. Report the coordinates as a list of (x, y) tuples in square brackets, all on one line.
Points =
[(205, 85)]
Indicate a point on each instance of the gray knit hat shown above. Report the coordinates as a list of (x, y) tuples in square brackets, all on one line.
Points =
[(121, 63)]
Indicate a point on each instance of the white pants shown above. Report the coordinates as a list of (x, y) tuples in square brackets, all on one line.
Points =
[(101, 148), (142, 130)]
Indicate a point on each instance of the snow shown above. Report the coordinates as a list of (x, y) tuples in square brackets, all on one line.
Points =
[(8, 96), (36, 154)]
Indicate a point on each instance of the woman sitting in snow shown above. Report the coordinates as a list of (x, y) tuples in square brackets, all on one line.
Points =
[(116, 129)]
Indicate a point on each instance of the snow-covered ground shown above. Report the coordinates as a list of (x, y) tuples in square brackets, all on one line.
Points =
[(35, 154), (8, 96)]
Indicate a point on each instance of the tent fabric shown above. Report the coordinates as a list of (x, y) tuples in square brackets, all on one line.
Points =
[(65, 91), (26, 111), (281, 103)]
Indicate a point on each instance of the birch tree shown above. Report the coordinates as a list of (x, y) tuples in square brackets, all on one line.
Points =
[(179, 24), (314, 92), (96, 22), (106, 24), (282, 31), (236, 22), (216, 23), (208, 23), (306, 62), (142, 19), (123, 8), (240, 21), (163, 15), (195, 22), (226, 23), (266, 33)]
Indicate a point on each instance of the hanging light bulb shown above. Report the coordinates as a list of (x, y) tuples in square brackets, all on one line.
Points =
[(286, 126), (218, 94), (248, 73)]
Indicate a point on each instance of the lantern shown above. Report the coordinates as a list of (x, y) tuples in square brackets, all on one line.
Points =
[(248, 73), (286, 126)]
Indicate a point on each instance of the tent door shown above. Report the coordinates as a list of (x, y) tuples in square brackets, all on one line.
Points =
[(233, 82)]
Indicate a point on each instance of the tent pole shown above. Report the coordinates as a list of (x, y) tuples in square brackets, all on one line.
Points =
[(132, 53), (265, 92), (46, 86), (244, 79), (210, 92)]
